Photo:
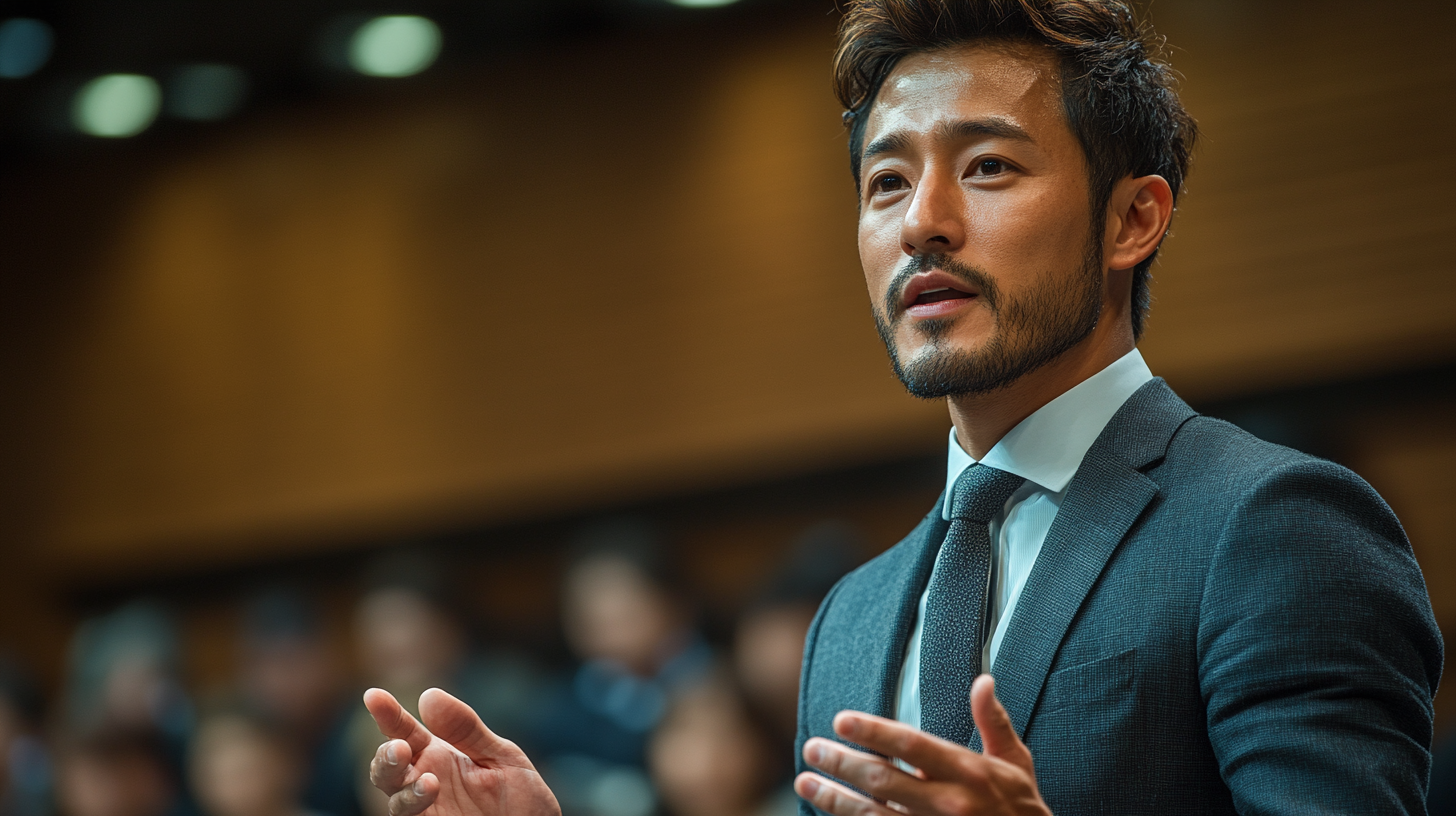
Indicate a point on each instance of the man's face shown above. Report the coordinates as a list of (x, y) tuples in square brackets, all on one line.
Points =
[(975, 229)]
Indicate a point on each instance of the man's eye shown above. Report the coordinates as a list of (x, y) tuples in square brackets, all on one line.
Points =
[(990, 167), (889, 184)]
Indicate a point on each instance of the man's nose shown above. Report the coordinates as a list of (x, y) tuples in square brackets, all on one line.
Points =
[(935, 220)]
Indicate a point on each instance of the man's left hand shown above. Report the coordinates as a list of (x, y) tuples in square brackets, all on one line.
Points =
[(952, 780)]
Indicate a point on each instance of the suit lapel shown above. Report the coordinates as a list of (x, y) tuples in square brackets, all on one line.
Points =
[(902, 590), (1087, 529), (1102, 503)]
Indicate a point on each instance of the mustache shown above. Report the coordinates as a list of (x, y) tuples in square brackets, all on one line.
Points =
[(978, 280)]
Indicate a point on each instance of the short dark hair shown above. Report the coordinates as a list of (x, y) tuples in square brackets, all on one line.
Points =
[(1121, 103)]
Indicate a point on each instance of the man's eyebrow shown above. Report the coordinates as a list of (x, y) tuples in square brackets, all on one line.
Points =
[(889, 143), (995, 127), (950, 131)]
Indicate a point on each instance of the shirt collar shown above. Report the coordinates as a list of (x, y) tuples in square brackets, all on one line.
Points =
[(1047, 447)]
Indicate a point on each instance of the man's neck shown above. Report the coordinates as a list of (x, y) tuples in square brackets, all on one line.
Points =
[(982, 419)]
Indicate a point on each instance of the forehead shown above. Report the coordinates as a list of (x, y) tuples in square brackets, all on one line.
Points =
[(1018, 83)]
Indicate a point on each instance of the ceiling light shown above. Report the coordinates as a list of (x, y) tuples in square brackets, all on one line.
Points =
[(116, 105), (25, 45), (394, 46)]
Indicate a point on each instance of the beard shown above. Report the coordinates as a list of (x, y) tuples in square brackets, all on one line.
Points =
[(1029, 332)]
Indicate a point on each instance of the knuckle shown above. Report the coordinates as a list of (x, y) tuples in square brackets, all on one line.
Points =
[(916, 741), (877, 777)]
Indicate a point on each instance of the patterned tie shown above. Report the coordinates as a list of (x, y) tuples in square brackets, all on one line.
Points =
[(955, 611)]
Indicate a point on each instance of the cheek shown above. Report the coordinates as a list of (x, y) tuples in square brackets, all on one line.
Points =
[(879, 253), (1021, 240)]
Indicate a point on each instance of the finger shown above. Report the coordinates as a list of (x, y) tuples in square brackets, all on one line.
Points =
[(458, 724), (869, 773), (390, 770), (832, 797), (394, 722), (998, 735), (938, 758), (415, 798)]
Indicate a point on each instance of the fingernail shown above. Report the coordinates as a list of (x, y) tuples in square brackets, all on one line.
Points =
[(390, 757), (811, 788), (418, 787), (816, 754)]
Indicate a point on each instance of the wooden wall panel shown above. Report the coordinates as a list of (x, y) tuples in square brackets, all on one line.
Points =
[(1317, 238), (594, 275)]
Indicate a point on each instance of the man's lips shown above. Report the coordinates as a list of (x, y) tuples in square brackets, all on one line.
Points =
[(936, 294)]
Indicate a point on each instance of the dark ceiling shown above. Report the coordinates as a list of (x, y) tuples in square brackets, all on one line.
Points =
[(280, 44)]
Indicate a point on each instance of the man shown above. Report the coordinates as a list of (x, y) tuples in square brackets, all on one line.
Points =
[(1180, 618)]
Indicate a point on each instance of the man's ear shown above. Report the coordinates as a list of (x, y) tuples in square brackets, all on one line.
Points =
[(1138, 214)]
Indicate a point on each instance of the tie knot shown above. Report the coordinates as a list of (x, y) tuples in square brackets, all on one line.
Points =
[(981, 492)]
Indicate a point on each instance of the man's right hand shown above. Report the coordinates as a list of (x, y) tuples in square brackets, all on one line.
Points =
[(455, 767)]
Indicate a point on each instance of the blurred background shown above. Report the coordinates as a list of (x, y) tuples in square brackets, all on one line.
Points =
[(520, 347)]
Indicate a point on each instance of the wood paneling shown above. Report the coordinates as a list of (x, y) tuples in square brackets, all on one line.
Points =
[(595, 275), (1318, 234)]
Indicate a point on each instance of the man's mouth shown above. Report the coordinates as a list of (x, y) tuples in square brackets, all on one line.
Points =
[(936, 294)]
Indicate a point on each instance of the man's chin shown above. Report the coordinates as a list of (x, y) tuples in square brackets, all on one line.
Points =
[(926, 348)]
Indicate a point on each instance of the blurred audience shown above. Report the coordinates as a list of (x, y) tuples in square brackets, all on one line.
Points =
[(118, 771), (25, 767), (645, 720), (244, 765), (637, 648)]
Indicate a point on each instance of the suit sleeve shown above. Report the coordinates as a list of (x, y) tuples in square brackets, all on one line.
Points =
[(1318, 652), (802, 736)]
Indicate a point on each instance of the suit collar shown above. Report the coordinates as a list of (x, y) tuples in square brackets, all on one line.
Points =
[(1142, 429), (1047, 447), (1103, 501)]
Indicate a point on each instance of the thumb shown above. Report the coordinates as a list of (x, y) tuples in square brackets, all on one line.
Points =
[(453, 721), (997, 734)]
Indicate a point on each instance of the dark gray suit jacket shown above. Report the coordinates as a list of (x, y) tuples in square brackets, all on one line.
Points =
[(1215, 624)]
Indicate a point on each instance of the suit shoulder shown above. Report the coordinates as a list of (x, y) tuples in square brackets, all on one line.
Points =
[(1222, 455), (1224, 445)]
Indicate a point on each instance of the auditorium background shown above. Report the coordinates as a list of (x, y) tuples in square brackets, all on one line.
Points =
[(521, 347)]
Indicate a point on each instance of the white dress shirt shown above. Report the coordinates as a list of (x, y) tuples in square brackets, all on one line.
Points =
[(1045, 449)]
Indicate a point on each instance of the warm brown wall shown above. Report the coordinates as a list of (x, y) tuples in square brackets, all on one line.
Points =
[(594, 275), (1318, 235)]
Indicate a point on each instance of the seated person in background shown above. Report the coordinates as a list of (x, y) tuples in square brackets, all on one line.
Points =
[(625, 621), (123, 676), (117, 772), (243, 765), (708, 758), (290, 675), (768, 640)]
